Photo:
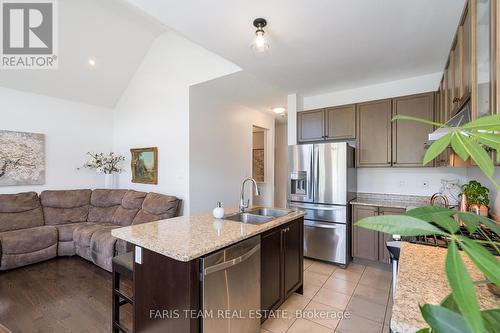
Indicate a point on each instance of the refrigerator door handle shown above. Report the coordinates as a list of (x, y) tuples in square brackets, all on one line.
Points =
[(315, 172), (312, 176)]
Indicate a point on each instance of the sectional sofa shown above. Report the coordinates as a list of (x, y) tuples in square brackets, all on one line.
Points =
[(74, 222)]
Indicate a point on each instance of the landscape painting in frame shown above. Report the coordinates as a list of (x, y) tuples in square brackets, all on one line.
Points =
[(144, 164), (22, 158)]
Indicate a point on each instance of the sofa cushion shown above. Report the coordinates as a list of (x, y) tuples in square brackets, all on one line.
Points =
[(102, 247), (65, 231), (67, 206), (83, 233), (157, 207), (10, 261), (28, 240), (133, 199), (104, 203), (20, 211)]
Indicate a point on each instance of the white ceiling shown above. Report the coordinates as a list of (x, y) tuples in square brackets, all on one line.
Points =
[(243, 89), (114, 33), (320, 45)]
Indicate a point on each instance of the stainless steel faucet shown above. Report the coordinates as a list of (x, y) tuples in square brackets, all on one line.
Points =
[(243, 204)]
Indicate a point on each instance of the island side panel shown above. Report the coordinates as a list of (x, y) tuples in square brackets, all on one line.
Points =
[(163, 289)]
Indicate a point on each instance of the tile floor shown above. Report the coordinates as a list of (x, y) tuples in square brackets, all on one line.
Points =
[(356, 299)]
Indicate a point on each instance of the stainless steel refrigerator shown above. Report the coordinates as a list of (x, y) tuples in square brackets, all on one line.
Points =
[(322, 181)]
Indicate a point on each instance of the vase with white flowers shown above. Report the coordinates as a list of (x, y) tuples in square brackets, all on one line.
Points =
[(109, 164)]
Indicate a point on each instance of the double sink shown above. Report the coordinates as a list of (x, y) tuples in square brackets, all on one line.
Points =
[(257, 215)]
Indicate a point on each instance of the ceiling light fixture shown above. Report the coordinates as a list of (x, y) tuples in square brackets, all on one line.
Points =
[(260, 43), (92, 62), (279, 109)]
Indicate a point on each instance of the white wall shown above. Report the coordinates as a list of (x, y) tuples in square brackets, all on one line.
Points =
[(413, 85), (221, 140), (154, 109), (71, 130), (280, 166), (409, 181)]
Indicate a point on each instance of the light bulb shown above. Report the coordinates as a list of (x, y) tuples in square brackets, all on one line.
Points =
[(92, 62), (278, 109), (260, 43)]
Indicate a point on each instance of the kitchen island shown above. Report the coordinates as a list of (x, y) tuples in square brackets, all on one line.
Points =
[(169, 254), (422, 279)]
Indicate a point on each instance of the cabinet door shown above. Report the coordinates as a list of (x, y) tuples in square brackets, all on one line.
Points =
[(341, 122), (450, 84), (373, 134), (466, 55), (457, 68), (408, 137), (271, 269), (383, 254), (311, 125), (364, 241), (293, 254)]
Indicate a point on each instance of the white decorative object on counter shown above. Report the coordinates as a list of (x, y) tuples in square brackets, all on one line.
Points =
[(218, 211)]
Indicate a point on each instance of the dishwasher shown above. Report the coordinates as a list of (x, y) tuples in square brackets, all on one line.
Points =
[(230, 289)]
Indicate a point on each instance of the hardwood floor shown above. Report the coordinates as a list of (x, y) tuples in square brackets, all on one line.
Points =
[(65, 294)]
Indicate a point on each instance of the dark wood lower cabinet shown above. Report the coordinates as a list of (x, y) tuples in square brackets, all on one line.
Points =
[(368, 244), (161, 286), (282, 262), (167, 290), (271, 269)]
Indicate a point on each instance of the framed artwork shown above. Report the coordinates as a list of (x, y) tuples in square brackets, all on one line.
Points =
[(22, 158), (258, 165), (144, 165)]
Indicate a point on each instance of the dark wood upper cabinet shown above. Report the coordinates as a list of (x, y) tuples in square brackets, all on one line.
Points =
[(364, 241), (271, 269), (311, 125), (409, 136), (293, 253), (450, 85), (373, 147), (457, 70), (281, 263), (466, 54), (341, 122)]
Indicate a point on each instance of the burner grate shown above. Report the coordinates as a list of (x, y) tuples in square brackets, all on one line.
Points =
[(443, 241)]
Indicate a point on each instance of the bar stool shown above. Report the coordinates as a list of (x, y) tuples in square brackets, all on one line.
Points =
[(123, 265)]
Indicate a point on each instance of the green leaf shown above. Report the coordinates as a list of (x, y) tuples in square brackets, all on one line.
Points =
[(438, 215), (484, 122), (424, 330), (491, 320), (462, 288), (484, 260), (490, 224), (446, 223), (420, 120), (470, 220), (437, 148), (491, 140), (443, 320), (427, 213), (480, 156), (458, 146), (399, 224), (450, 304)]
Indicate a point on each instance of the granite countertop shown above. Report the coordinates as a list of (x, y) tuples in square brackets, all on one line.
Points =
[(390, 200), (185, 238), (422, 279)]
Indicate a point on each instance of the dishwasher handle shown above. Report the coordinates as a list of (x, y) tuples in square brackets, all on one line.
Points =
[(321, 225), (232, 262)]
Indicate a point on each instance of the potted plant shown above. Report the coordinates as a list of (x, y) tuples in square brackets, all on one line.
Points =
[(477, 197), (459, 311), (109, 164)]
